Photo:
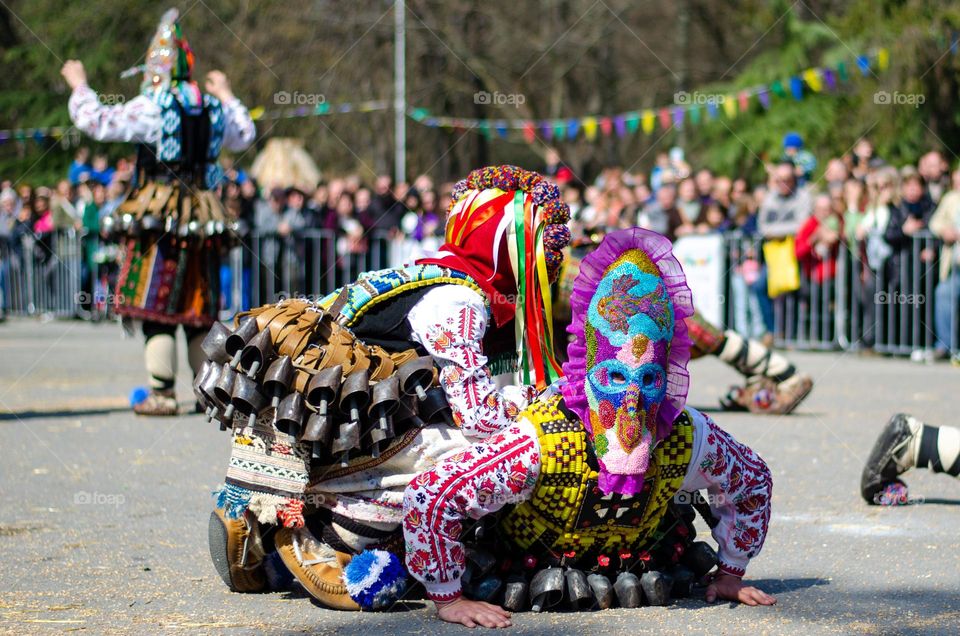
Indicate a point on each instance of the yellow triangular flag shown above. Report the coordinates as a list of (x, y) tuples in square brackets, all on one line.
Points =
[(812, 77), (256, 113), (590, 128), (730, 106), (647, 120)]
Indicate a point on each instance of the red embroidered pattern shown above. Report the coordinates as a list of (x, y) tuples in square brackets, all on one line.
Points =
[(746, 487), (467, 485), (454, 342)]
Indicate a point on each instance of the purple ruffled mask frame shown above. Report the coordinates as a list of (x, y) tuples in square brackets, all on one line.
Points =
[(592, 269)]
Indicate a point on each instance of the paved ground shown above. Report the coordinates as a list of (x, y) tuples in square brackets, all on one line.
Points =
[(103, 517)]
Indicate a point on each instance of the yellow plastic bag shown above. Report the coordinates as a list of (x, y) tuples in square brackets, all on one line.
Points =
[(783, 271)]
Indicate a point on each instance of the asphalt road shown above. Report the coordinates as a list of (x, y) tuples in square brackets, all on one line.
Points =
[(103, 516)]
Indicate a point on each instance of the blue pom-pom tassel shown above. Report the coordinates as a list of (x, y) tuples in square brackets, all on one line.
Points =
[(138, 395), (375, 579)]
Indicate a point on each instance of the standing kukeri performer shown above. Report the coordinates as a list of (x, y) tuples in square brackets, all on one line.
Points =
[(173, 227)]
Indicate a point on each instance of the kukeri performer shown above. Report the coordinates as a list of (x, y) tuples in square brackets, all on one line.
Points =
[(173, 227), (593, 466), (374, 383)]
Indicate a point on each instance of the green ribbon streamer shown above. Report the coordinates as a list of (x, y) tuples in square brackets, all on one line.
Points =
[(545, 346), (521, 278)]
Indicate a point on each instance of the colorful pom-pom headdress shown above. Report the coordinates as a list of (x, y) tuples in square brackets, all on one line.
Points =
[(506, 227), (626, 377)]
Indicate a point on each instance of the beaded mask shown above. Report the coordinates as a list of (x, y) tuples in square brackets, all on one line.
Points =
[(626, 376)]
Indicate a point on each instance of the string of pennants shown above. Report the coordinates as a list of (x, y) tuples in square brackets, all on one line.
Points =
[(687, 109), (70, 136)]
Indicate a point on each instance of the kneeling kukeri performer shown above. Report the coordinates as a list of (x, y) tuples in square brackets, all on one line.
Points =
[(174, 229), (905, 443), (426, 346), (593, 464), (772, 383)]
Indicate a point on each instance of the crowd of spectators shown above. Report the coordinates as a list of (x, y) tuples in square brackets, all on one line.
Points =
[(858, 202)]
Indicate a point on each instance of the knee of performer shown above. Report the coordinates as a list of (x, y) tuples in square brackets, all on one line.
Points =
[(160, 354)]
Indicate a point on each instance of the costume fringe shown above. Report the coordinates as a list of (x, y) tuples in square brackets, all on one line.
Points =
[(269, 509)]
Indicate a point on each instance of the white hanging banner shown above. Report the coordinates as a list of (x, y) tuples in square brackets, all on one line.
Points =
[(702, 261)]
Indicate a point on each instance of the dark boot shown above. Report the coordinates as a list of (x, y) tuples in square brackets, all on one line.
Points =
[(887, 459)]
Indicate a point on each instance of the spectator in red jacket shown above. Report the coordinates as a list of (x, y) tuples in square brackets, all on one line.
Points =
[(818, 241)]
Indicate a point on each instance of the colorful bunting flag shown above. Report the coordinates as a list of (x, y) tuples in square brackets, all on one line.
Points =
[(796, 87), (883, 59), (606, 126), (763, 96), (678, 117), (730, 106), (620, 125), (812, 77), (647, 121), (590, 128), (665, 120)]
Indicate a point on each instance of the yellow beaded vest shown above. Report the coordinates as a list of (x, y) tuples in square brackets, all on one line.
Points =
[(569, 513)]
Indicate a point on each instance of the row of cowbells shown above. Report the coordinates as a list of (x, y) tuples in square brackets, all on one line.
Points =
[(340, 414), (566, 587)]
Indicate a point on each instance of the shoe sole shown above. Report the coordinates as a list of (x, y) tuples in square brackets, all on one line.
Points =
[(873, 479), (800, 398), (226, 558)]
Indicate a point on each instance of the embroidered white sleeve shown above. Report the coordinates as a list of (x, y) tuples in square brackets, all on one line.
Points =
[(470, 484), (138, 120), (449, 321), (240, 130), (739, 486)]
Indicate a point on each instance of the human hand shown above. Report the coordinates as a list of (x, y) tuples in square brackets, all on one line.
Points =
[(473, 613), (74, 73), (217, 85), (731, 588), (949, 235), (912, 226)]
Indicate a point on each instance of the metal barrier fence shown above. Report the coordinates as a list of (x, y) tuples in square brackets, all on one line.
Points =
[(889, 305), (895, 306), (268, 267), (41, 274)]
